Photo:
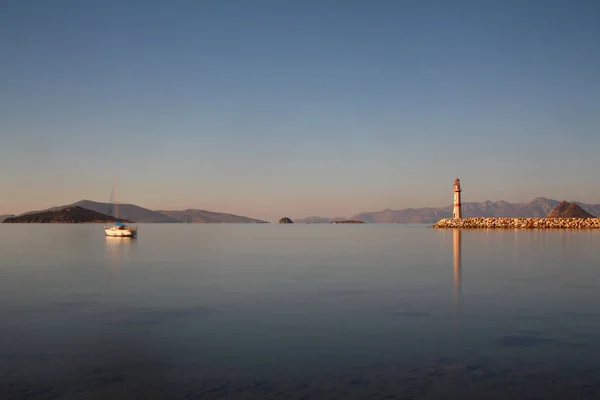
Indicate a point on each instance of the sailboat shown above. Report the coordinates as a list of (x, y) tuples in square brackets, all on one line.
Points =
[(119, 229)]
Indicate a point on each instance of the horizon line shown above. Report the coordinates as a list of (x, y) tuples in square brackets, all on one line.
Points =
[(308, 216)]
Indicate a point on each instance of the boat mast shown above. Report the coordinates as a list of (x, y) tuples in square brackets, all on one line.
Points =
[(112, 205), (115, 199)]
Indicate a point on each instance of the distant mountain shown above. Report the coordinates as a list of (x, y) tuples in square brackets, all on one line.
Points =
[(591, 208), (71, 214), (203, 216), (3, 217), (536, 208), (576, 211), (314, 220), (569, 210), (318, 220), (139, 214), (128, 211), (557, 211), (408, 215)]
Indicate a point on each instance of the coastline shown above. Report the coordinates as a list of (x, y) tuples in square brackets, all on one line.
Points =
[(61, 222), (518, 223)]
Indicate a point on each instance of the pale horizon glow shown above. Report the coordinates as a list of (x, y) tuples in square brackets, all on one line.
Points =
[(270, 109), (313, 207)]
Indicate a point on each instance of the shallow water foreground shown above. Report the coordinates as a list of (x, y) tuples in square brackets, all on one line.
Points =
[(298, 312)]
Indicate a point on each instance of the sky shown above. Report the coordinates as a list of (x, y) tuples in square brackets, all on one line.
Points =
[(296, 108)]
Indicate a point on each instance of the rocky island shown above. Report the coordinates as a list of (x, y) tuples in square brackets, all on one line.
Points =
[(349, 221), (564, 216), (568, 210), (69, 215), (286, 220)]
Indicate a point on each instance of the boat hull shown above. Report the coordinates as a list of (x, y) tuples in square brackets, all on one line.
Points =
[(120, 232)]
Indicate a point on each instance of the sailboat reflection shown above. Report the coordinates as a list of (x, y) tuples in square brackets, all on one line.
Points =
[(457, 250), (117, 252)]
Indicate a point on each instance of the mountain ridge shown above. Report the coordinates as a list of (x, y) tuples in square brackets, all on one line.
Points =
[(538, 207), (194, 215), (140, 214), (69, 214), (314, 219), (4, 216), (131, 212)]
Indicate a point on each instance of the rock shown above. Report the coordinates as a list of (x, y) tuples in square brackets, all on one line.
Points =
[(519, 223), (566, 210), (286, 220)]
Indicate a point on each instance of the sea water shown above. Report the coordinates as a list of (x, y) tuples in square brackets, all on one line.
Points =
[(298, 311)]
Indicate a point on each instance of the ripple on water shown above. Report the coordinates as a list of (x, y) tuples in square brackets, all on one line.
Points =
[(580, 314), (520, 341), (161, 316), (530, 317), (412, 314), (531, 332)]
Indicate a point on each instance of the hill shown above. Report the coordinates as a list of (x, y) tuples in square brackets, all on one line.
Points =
[(536, 208), (128, 211), (72, 214), (575, 211), (139, 214), (558, 210), (3, 217), (593, 209), (569, 210), (205, 217)]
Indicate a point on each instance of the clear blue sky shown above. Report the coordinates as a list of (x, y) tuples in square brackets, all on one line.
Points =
[(273, 108)]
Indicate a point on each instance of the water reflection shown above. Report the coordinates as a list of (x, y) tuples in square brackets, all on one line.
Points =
[(457, 250), (178, 332), (117, 251)]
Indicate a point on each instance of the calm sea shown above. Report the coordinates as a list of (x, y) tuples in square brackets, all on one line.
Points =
[(298, 312)]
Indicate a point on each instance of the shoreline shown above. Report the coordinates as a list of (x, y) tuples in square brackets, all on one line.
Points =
[(517, 223), (62, 222)]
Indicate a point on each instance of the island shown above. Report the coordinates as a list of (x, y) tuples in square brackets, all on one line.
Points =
[(349, 221), (68, 215), (286, 220), (3, 217), (568, 210)]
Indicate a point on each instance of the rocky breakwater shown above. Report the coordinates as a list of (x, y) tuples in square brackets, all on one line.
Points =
[(519, 223)]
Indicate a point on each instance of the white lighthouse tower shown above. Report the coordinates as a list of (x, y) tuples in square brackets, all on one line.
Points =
[(457, 206)]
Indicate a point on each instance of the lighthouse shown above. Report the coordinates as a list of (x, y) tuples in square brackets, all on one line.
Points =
[(457, 207)]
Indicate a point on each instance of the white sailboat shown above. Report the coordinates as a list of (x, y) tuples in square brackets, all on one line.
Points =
[(118, 229)]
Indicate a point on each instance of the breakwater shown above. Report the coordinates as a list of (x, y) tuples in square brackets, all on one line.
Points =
[(519, 223)]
